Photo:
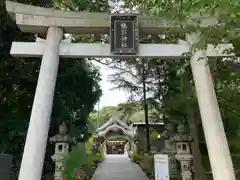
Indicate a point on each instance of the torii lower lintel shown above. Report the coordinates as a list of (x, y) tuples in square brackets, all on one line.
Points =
[(80, 50)]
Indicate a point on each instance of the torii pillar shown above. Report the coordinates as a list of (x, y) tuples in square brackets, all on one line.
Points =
[(217, 145), (37, 136)]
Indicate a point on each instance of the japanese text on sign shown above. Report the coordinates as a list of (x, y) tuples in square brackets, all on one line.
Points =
[(124, 34)]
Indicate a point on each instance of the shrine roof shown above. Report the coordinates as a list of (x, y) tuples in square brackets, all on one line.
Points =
[(116, 128), (115, 119), (115, 124), (140, 123)]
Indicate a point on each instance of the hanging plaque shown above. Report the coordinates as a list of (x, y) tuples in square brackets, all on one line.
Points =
[(124, 34)]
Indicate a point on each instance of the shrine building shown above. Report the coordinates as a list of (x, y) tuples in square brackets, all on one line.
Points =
[(116, 135)]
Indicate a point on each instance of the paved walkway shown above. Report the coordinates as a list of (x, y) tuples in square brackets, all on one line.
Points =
[(118, 167)]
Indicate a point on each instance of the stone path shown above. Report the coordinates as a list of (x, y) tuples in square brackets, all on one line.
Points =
[(118, 167)]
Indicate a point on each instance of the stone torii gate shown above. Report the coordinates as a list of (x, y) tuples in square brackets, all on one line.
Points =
[(43, 20)]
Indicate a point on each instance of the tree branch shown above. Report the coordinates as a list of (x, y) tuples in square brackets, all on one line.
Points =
[(64, 4), (103, 63)]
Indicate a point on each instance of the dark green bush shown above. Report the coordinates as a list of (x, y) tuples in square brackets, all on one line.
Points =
[(80, 160)]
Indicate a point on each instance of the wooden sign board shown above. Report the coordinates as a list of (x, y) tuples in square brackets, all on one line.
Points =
[(124, 34)]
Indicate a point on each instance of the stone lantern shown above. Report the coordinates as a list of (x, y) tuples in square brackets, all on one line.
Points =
[(62, 141), (184, 156), (169, 149)]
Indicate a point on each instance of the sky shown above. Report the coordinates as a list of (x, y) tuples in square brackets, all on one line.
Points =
[(110, 97)]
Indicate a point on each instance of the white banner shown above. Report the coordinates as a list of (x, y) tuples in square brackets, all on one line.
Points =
[(161, 166)]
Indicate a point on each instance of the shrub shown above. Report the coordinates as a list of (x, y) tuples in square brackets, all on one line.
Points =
[(154, 135), (134, 156), (79, 160), (147, 164)]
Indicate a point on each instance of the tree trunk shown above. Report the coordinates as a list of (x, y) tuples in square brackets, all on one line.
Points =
[(198, 167), (193, 127), (145, 105)]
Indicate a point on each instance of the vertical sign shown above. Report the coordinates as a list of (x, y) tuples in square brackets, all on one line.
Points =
[(161, 167), (124, 34), (5, 166)]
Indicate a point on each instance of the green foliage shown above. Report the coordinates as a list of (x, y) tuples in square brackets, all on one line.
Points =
[(137, 116), (154, 134), (134, 156), (79, 160), (90, 144), (102, 151), (129, 111), (146, 162), (188, 15), (70, 94), (98, 153), (74, 161), (83, 5), (104, 115)]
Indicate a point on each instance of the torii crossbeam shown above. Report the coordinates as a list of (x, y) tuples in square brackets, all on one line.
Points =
[(81, 50), (42, 20)]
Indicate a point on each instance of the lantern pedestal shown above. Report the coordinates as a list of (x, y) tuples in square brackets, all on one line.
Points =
[(183, 155), (62, 141)]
